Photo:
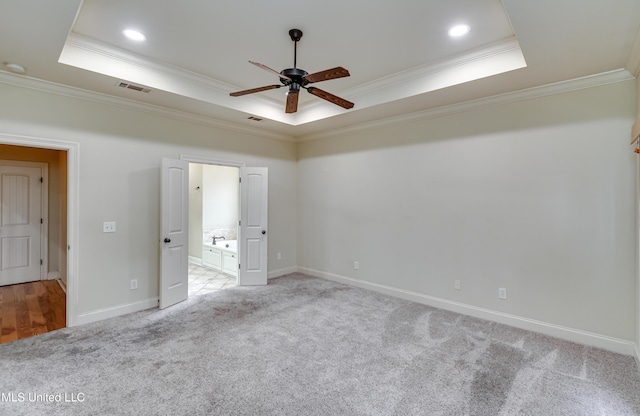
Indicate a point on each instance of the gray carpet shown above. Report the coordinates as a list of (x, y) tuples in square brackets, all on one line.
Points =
[(308, 346)]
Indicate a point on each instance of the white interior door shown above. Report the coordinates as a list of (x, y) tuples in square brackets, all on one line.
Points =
[(20, 224), (174, 226), (254, 187)]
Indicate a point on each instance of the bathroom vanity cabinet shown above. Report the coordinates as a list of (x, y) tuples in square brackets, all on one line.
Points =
[(230, 263), (220, 259)]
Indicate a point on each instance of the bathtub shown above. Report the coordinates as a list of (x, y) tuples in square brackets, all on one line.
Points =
[(226, 245)]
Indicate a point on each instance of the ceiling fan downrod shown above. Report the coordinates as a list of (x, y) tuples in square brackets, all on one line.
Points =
[(296, 35)]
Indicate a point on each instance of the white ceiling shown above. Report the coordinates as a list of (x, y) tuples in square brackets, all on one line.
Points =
[(399, 55)]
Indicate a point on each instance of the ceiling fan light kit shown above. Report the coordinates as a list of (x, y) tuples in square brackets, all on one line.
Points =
[(296, 78)]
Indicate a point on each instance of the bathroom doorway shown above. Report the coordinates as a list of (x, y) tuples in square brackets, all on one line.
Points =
[(214, 202)]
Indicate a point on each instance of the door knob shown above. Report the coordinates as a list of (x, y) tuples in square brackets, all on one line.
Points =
[(263, 232), (167, 240)]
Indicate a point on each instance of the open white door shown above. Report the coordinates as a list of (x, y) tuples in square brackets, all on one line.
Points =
[(254, 187), (174, 226)]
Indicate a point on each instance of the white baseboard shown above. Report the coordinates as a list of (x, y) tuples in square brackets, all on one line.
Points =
[(195, 260), (62, 284), (575, 335), (281, 272), (107, 313), (637, 356)]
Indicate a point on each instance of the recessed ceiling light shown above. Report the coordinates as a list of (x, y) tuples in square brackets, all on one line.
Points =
[(459, 30), (18, 69), (134, 35)]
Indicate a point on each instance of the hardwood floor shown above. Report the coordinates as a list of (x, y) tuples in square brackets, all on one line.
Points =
[(30, 309)]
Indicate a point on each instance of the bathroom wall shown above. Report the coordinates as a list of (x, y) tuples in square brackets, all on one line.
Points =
[(213, 204), (195, 210), (220, 201)]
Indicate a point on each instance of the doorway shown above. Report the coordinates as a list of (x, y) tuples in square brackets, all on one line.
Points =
[(34, 259), (213, 227), (174, 228), (23, 221)]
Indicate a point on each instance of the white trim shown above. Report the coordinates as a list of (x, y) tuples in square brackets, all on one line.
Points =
[(487, 60), (633, 62), (570, 334), (637, 328), (281, 272), (96, 97), (112, 312), (195, 260), (619, 75), (63, 285), (210, 161), (73, 243), (421, 72), (590, 81)]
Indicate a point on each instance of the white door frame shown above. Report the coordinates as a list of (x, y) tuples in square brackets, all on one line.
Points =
[(73, 245), (44, 209)]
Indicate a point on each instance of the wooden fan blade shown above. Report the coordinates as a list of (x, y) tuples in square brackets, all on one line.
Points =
[(292, 102), (330, 97), (333, 73), (252, 90), (266, 68)]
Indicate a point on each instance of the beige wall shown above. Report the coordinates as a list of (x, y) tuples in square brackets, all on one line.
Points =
[(120, 150), (57, 204), (537, 197)]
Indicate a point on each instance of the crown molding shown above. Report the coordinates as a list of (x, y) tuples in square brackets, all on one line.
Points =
[(488, 60), (97, 48), (591, 81), (485, 52), (610, 77), (100, 98), (633, 63)]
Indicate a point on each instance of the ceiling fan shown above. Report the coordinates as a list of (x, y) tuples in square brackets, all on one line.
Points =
[(296, 78)]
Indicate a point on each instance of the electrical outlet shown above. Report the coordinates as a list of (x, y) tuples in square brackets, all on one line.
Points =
[(134, 284), (356, 265), (109, 227), (279, 256), (502, 293), (457, 285)]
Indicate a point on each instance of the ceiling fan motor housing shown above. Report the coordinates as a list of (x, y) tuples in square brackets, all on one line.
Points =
[(295, 76)]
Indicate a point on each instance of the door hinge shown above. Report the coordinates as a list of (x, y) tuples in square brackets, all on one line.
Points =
[(40, 220), (41, 179), (239, 222), (240, 180), (40, 262)]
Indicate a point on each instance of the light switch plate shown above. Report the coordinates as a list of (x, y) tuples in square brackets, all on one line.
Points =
[(109, 227)]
